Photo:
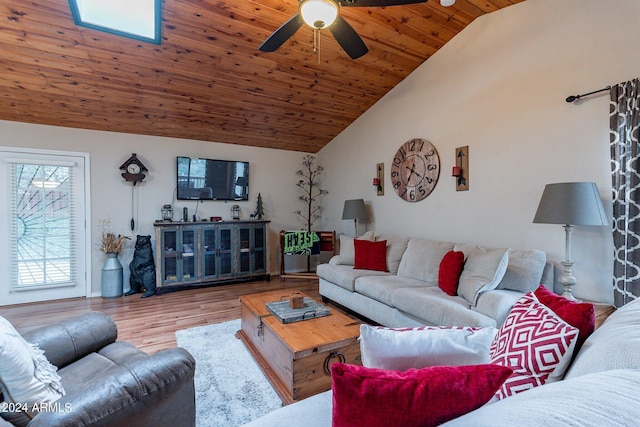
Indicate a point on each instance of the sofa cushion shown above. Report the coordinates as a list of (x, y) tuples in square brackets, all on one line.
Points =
[(524, 271), (402, 349), (395, 249), (437, 308), (594, 400), (482, 272), (417, 397), (347, 250), (314, 411), (604, 349), (26, 376), (77, 374), (421, 260), (449, 272), (496, 304), (344, 275), (380, 288), (535, 343), (370, 255)]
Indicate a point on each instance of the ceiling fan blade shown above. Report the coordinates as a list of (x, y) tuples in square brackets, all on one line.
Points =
[(282, 34), (377, 3), (347, 37)]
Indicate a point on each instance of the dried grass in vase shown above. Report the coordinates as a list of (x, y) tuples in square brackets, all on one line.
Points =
[(112, 244)]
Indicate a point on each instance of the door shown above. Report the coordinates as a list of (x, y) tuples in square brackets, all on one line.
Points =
[(179, 255), (225, 251), (44, 244), (209, 251)]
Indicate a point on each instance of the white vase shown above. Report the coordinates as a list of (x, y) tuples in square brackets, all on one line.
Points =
[(112, 277)]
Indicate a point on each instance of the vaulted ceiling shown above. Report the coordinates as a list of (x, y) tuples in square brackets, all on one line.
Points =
[(207, 80)]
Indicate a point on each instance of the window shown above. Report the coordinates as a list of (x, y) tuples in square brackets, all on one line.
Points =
[(137, 19)]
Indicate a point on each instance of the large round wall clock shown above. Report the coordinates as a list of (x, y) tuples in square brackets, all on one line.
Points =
[(415, 170)]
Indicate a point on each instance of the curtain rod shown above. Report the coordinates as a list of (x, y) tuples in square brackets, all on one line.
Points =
[(576, 97)]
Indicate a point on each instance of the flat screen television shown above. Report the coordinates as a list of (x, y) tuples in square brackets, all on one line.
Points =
[(207, 179)]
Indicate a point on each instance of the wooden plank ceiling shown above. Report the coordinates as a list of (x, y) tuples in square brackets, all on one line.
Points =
[(207, 80)]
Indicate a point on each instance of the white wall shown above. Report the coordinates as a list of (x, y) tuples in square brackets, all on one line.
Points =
[(271, 173), (500, 87)]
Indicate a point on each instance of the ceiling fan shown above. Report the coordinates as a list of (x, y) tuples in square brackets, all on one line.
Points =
[(320, 14)]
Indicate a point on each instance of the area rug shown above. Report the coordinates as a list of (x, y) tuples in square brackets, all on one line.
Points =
[(230, 387)]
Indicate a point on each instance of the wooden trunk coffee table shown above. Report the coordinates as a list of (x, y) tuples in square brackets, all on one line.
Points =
[(295, 357)]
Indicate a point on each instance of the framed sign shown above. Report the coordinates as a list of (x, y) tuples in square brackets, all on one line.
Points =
[(296, 243)]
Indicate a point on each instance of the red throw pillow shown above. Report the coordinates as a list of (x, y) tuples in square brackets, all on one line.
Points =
[(450, 271), (370, 255), (417, 397), (580, 315)]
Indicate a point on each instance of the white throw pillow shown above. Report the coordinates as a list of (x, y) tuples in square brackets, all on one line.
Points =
[(347, 248), (482, 272), (26, 376), (402, 349), (525, 269)]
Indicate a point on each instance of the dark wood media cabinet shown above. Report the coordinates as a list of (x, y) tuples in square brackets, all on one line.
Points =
[(207, 253)]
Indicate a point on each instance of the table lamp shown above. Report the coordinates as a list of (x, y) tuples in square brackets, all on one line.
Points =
[(570, 203), (355, 210)]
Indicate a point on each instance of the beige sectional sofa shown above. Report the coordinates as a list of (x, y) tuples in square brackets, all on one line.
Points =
[(408, 294)]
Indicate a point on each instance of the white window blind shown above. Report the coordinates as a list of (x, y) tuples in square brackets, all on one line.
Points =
[(42, 229)]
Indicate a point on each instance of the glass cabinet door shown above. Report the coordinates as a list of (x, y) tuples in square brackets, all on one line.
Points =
[(188, 255), (225, 251), (178, 255), (244, 249), (169, 256), (259, 249), (209, 251)]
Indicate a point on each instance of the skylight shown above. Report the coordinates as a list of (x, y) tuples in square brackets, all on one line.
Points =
[(137, 19)]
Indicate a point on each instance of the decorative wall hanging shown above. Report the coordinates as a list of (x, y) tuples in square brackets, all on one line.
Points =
[(133, 172), (461, 169), (415, 170), (378, 181)]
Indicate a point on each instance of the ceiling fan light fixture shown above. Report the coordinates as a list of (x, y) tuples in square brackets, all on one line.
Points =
[(447, 3), (319, 14)]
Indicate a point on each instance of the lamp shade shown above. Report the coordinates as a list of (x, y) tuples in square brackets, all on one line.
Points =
[(571, 203), (354, 209)]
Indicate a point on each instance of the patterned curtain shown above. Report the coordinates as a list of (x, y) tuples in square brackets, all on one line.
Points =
[(625, 176)]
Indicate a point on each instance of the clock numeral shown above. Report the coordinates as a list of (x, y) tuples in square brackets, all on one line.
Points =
[(421, 190), (432, 167), (394, 174), (396, 185), (430, 153), (412, 195), (413, 144), (403, 193), (429, 180)]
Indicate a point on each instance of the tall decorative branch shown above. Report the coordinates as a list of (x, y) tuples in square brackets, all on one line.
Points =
[(310, 189)]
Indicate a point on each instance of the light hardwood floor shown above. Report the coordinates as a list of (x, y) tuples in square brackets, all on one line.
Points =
[(150, 323)]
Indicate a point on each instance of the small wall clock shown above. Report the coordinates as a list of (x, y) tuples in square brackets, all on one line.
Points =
[(415, 170), (133, 169)]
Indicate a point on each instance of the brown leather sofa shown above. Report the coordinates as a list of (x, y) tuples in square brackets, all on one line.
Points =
[(112, 383)]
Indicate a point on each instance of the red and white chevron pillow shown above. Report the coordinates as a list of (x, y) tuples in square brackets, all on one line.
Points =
[(534, 342)]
